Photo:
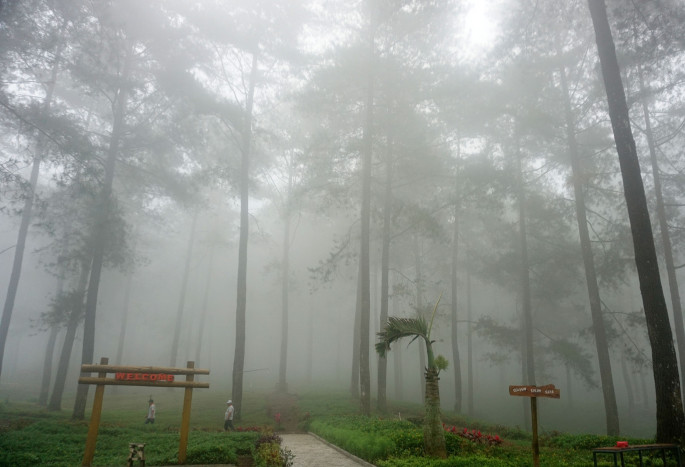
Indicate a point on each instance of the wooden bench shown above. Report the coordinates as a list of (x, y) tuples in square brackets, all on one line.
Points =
[(640, 448)]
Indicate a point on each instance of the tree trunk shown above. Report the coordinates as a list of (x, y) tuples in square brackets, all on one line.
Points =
[(241, 300), (469, 341), (47, 366), (364, 255), (433, 433), (26, 213), (124, 320), (527, 356), (205, 306), (670, 421), (65, 355), (176, 342), (397, 359), (356, 339), (601, 341), (455, 343), (526, 307), (628, 385), (50, 350), (102, 219), (665, 236), (310, 348), (569, 387), (419, 311), (285, 266), (385, 276)]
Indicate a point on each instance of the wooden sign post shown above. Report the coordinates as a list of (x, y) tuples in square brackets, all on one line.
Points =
[(138, 376), (534, 392)]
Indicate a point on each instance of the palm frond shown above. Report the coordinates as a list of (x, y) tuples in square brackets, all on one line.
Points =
[(396, 328)]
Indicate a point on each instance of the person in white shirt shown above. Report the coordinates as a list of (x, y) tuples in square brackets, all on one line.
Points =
[(150, 412), (228, 417)]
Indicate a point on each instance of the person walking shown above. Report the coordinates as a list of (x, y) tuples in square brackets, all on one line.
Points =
[(228, 417), (150, 412)]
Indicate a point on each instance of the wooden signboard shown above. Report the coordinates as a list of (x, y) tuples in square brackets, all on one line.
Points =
[(534, 392), (139, 376)]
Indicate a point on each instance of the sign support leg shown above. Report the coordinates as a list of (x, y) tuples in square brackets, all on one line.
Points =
[(185, 418), (94, 425), (536, 444)]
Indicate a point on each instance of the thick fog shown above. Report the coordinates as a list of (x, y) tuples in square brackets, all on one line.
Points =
[(464, 123)]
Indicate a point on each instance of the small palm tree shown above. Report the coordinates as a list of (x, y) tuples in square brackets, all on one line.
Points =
[(397, 328)]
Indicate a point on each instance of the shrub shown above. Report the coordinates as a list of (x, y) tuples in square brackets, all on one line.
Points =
[(474, 435), (269, 453), (471, 461), (216, 454), (586, 442)]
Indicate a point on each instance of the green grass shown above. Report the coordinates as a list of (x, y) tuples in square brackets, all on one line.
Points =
[(32, 436)]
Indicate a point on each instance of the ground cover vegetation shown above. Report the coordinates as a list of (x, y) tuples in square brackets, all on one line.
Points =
[(31, 436), (366, 151)]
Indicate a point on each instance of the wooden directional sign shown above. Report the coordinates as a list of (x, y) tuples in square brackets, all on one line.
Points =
[(535, 391)]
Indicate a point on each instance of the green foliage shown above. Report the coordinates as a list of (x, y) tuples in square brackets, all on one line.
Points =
[(441, 363), (504, 337), (576, 358), (52, 440), (470, 461), (354, 437), (397, 328), (566, 441), (273, 455), (30, 437)]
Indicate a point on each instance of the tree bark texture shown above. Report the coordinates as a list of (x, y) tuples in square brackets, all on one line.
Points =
[(365, 253), (419, 309), (47, 366), (124, 320), (241, 300), (433, 432), (385, 276), (205, 306), (65, 354), (526, 306), (469, 341), (26, 215), (356, 338), (100, 229), (456, 364), (673, 288), (669, 409), (176, 341), (397, 359), (285, 297), (601, 341)]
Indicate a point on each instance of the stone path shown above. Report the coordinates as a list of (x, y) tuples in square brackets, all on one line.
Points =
[(312, 451)]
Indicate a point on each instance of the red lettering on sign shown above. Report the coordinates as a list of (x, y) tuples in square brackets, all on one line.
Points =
[(146, 376), (129, 376), (120, 376)]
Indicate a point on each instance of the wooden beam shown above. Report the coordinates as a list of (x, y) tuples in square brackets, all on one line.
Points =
[(142, 369), (94, 425), (160, 384), (185, 418)]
